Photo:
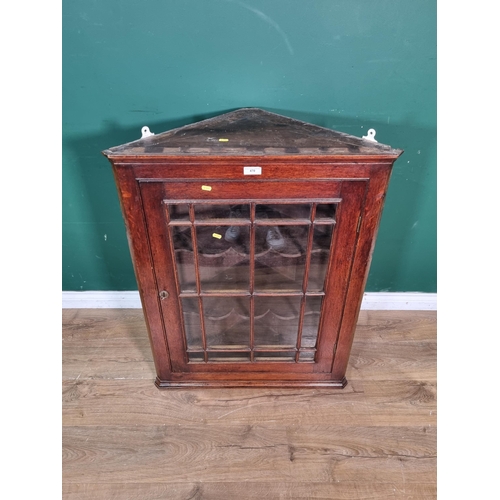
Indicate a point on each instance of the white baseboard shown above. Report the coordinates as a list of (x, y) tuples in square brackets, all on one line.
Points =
[(399, 301), (101, 300)]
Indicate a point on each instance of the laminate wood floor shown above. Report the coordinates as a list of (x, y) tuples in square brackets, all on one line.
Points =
[(125, 439)]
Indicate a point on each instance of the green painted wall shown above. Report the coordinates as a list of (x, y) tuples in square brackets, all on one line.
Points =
[(165, 63)]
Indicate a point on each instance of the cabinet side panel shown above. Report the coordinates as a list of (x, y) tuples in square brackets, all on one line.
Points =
[(164, 270), (344, 244), (372, 213), (131, 205)]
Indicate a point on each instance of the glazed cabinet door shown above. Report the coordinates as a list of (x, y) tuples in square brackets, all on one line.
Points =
[(252, 276)]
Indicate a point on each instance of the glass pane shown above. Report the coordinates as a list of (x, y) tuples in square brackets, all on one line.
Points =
[(306, 356), (178, 212), (184, 258), (210, 212), (223, 250), (311, 321), (274, 356), (228, 357), (283, 211), (320, 255), (280, 255), (196, 357), (227, 321), (276, 321), (223, 258), (325, 212), (192, 325)]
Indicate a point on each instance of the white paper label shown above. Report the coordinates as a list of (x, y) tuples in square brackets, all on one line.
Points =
[(252, 170)]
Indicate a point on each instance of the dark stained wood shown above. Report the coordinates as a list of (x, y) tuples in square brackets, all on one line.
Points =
[(231, 168), (375, 198), (249, 189), (338, 275), (300, 163), (139, 244), (124, 439), (251, 131)]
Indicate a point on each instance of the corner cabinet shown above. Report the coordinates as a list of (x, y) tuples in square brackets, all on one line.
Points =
[(251, 236)]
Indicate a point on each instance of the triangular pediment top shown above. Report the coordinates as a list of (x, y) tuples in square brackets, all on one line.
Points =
[(252, 131)]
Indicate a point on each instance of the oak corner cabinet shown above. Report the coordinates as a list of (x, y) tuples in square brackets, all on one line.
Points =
[(251, 236)]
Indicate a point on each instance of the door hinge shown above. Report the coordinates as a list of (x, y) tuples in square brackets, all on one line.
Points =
[(359, 224)]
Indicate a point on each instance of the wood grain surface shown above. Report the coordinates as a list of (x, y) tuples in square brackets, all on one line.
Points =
[(251, 131), (125, 439), (149, 176)]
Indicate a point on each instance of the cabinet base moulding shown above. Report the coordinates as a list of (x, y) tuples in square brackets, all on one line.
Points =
[(227, 384)]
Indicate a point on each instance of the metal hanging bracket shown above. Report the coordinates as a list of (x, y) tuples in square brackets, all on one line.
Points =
[(146, 132), (370, 135)]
